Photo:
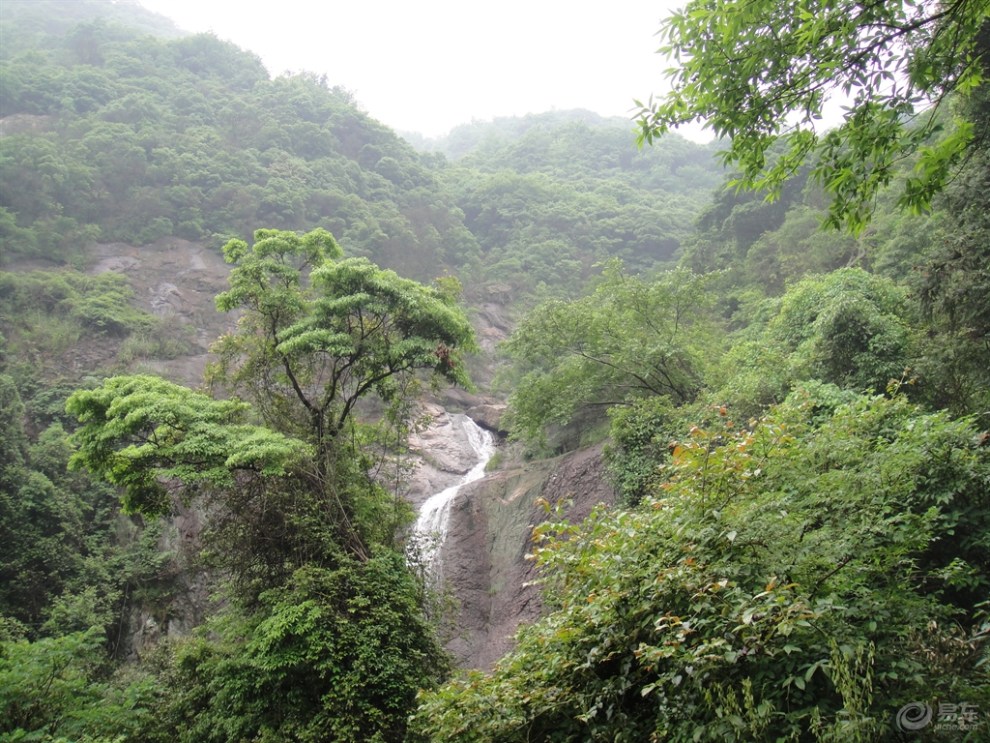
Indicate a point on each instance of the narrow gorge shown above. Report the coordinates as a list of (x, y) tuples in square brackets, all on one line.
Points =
[(473, 527)]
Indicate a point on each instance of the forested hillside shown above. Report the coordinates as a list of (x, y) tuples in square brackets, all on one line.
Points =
[(552, 195), (796, 417), (116, 136), (791, 386)]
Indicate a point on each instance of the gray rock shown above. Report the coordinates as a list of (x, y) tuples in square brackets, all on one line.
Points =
[(484, 559)]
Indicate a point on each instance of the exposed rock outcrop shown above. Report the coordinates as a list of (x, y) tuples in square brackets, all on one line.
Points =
[(488, 415), (185, 602), (442, 455), (176, 280), (489, 531)]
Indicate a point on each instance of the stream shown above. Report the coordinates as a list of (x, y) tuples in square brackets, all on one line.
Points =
[(430, 530)]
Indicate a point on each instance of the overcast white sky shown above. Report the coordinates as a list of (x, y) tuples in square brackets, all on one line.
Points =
[(428, 65)]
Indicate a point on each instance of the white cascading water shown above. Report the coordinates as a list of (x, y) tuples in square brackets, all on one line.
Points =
[(430, 531)]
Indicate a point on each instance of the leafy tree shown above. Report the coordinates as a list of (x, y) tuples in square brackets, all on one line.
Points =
[(759, 71), (13, 441), (849, 328), (100, 21), (58, 688), (63, 566), (629, 338), (144, 433), (207, 145), (640, 437), (324, 638), (550, 203), (337, 655), (733, 221), (319, 333), (574, 146), (802, 578), (798, 248), (954, 284)]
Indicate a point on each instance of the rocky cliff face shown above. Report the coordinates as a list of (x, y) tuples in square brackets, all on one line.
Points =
[(484, 563), (174, 279), (187, 600), (484, 572)]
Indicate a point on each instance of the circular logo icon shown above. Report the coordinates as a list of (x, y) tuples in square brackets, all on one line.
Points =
[(913, 716)]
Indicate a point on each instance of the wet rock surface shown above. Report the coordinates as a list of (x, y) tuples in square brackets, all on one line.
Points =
[(484, 564), (488, 415), (442, 455)]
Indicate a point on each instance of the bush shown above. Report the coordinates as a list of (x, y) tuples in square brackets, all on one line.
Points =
[(338, 654), (800, 579)]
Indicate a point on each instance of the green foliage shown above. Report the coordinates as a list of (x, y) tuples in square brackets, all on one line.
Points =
[(64, 566), (798, 248), (757, 72), (629, 338), (168, 338), (299, 528), (117, 137), (65, 583), (847, 328), (548, 197), (319, 334), (336, 655), (95, 303), (89, 22), (141, 432), (734, 220), (800, 576), (60, 689), (120, 136), (640, 436), (800, 579), (954, 287), (13, 441), (62, 323), (575, 144)]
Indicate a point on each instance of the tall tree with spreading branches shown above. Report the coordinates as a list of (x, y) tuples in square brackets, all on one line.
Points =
[(317, 333)]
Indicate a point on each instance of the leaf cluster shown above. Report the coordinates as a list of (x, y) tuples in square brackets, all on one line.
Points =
[(335, 655), (59, 689), (68, 560), (796, 579), (629, 338), (758, 71), (320, 333), (144, 434)]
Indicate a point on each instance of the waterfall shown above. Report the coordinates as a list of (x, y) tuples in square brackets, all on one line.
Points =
[(430, 531)]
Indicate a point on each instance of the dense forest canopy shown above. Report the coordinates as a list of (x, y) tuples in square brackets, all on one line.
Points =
[(795, 419), (114, 135)]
